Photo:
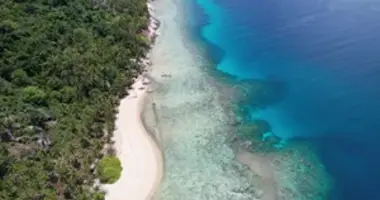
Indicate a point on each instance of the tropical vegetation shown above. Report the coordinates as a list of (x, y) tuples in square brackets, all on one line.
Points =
[(64, 64)]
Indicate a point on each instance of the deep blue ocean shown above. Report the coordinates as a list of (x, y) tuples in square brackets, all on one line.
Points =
[(326, 55)]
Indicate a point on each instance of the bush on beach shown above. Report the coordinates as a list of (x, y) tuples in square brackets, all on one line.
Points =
[(109, 169), (99, 196)]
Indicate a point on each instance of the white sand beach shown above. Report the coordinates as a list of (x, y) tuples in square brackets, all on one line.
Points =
[(139, 155)]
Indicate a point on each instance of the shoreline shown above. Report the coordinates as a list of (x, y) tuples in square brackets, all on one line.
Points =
[(139, 154)]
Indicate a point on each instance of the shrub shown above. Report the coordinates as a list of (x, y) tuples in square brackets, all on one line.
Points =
[(33, 94), (99, 196), (109, 169)]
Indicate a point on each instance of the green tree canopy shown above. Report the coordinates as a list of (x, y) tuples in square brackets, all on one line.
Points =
[(63, 66)]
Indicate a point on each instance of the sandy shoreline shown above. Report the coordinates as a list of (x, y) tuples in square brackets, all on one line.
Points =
[(139, 155)]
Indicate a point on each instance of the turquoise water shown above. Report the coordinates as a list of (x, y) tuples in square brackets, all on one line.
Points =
[(323, 58)]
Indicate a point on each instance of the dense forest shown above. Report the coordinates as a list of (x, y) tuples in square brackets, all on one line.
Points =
[(64, 64)]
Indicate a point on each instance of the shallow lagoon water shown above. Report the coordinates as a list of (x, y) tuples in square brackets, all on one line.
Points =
[(197, 128), (192, 121), (325, 54)]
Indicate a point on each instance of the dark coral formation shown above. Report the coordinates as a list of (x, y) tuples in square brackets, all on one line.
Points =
[(289, 169), (257, 136)]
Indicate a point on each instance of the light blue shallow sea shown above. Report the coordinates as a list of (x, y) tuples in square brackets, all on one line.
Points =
[(324, 56)]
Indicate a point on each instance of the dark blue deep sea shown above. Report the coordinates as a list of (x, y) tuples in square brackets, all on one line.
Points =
[(326, 55)]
